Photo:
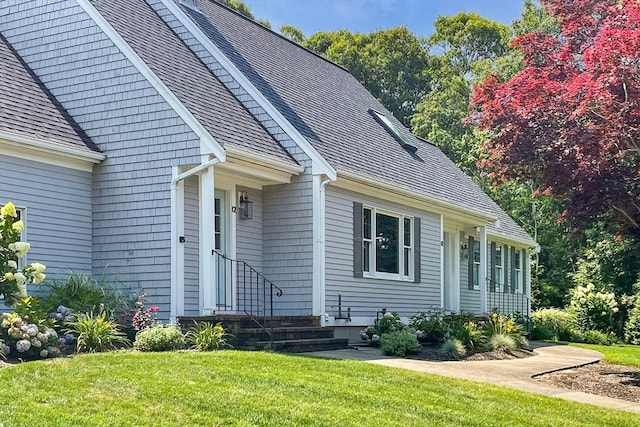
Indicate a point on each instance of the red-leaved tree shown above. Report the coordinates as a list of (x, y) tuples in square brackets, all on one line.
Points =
[(570, 119)]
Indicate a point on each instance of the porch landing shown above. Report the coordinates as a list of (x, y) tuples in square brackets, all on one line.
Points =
[(289, 334)]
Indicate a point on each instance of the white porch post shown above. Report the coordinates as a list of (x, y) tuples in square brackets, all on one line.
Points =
[(455, 272), (319, 276), (180, 249), (482, 279), (207, 267)]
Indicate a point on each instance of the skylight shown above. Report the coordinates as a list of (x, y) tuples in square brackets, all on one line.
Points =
[(405, 142)]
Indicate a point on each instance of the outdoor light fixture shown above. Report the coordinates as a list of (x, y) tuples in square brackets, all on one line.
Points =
[(246, 206)]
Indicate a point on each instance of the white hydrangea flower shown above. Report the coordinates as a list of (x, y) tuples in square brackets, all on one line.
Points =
[(12, 264), (23, 345)]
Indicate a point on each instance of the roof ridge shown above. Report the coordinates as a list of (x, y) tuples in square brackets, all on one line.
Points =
[(253, 21), (54, 101)]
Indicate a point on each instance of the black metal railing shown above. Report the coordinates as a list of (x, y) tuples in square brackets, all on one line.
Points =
[(505, 300), (241, 288)]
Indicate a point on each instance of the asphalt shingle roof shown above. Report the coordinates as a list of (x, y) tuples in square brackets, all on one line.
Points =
[(330, 108), (26, 108), (188, 78)]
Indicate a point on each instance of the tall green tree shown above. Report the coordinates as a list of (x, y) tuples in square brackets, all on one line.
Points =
[(392, 64)]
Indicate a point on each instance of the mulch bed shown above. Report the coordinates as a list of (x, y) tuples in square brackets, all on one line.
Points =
[(603, 379), (433, 353)]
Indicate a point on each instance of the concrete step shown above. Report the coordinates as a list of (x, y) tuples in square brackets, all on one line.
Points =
[(303, 345)]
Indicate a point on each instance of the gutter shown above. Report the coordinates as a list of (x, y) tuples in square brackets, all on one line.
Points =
[(49, 146), (414, 195)]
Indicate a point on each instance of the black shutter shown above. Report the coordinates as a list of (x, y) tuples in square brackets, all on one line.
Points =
[(525, 267), (357, 239), (492, 283), (416, 250), (470, 251), (505, 268)]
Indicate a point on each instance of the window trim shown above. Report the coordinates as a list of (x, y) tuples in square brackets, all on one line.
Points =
[(475, 273), (498, 269), (22, 215), (373, 273), (517, 271)]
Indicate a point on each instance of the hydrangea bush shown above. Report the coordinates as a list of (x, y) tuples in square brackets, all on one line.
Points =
[(23, 340), (14, 280), (594, 309)]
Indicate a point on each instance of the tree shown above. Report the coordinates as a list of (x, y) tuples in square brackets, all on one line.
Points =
[(390, 63), (462, 42), (570, 119), (244, 9), (292, 33)]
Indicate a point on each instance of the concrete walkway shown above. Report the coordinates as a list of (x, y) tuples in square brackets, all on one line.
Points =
[(516, 373)]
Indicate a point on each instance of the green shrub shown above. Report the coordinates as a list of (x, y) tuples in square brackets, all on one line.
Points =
[(470, 336), (554, 324), (502, 342), (599, 338), (206, 337), (96, 333), (594, 309), (430, 326), (632, 327), (84, 293), (399, 343), (453, 347), (159, 338)]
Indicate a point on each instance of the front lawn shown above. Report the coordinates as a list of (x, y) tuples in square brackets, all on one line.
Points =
[(254, 388), (621, 354)]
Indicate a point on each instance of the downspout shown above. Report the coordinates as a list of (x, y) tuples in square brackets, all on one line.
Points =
[(322, 245), (175, 279)]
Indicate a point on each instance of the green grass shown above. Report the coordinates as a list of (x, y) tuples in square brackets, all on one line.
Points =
[(232, 388), (620, 354)]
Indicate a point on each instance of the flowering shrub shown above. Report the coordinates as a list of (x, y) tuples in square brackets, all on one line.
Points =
[(504, 326), (594, 310), (430, 326), (28, 340), (96, 333), (144, 318), (13, 281), (204, 336), (389, 322)]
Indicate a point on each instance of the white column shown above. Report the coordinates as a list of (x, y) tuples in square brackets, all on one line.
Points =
[(207, 267), (455, 272), (173, 312), (318, 297), (442, 263), (180, 249), (482, 279)]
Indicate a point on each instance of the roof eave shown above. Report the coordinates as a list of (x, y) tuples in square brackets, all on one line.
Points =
[(49, 146), (436, 201)]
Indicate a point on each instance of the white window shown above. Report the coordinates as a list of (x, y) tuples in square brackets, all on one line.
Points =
[(517, 270), (387, 244), (498, 270), (476, 264)]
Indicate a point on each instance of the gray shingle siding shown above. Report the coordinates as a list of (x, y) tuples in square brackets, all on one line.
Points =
[(365, 295), (249, 232), (287, 243), (58, 212), (128, 120)]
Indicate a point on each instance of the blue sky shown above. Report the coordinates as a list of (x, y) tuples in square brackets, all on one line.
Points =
[(368, 15)]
